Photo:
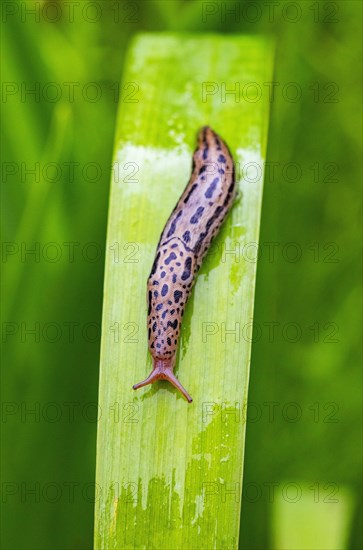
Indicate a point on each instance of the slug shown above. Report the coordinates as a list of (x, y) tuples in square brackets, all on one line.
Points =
[(187, 235)]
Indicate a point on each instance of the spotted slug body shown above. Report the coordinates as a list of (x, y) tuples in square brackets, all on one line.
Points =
[(185, 240)]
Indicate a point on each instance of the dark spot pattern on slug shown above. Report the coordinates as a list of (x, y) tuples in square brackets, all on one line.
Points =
[(199, 242), (205, 150), (150, 298), (186, 236), (230, 188), (187, 268), (209, 192), (193, 187), (202, 169), (164, 290), (226, 200), (222, 158), (197, 215), (155, 264), (212, 219), (177, 295), (159, 307), (173, 324), (172, 256), (173, 225)]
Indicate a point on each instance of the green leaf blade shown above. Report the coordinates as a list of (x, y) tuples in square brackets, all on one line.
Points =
[(170, 474)]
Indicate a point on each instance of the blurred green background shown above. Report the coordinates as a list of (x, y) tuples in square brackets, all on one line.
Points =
[(62, 64)]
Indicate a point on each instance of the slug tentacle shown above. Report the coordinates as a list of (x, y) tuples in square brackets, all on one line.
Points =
[(163, 370), (187, 235)]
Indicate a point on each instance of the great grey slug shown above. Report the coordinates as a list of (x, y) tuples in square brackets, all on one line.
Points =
[(187, 235)]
